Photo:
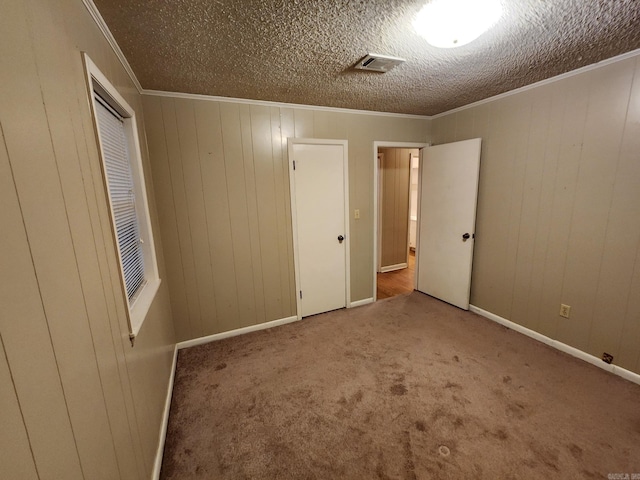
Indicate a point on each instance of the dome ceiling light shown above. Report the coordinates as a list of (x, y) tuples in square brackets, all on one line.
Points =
[(453, 23)]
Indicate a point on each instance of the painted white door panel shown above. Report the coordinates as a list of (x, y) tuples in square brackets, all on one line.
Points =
[(449, 191), (320, 219)]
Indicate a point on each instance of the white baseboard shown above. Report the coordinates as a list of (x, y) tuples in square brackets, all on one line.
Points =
[(563, 347), (233, 333), (359, 303), (624, 373), (391, 268), (157, 465), (192, 343)]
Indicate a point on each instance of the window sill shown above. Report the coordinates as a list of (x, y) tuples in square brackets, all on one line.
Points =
[(140, 308)]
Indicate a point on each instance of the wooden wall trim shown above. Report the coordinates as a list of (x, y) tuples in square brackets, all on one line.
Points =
[(541, 83), (95, 14), (248, 101)]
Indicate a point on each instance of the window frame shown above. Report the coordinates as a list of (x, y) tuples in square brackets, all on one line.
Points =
[(140, 303)]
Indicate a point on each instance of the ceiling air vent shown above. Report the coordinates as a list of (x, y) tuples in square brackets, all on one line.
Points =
[(378, 63)]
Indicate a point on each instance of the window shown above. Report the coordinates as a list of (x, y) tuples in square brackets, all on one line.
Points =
[(124, 181)]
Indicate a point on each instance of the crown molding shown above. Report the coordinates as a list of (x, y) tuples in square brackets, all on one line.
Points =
[(541, 83), (95, 14), (97, 17), (267, 103)]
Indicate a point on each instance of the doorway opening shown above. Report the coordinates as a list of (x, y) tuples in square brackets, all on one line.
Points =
[(396, 174), (447, 194)]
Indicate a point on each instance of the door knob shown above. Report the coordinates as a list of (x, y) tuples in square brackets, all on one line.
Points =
[(465, 237), (340, 238)]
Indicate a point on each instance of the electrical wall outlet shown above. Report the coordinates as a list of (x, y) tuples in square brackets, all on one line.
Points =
[(356, 214), (607, 357), (564, 310)]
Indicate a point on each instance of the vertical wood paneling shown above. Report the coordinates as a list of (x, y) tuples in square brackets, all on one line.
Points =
[(287, 130), (240, 247), (395, 205), (108, 264), (332, 125), (323, 124), (576, 95), (149, 386), (629, 356), (402, 212), (37, 173), (72, 374), (519, 137), (531, 195), (143, 383), (257, 301), (501, 174), (362, 131), (601, 148), (482, 261), (627, 181), (126, 436), (183, 221), (303, 122), (357, 133), (448, 128), (558, 208), (267, 213), (59, 97), (437, 130), (464, 124), (35, 376), (15, 452), (402, 206), (243, 157), (199, 232), (159, 155), (387, 206), (543, 232), (283, 222), (217, 210), (622, 238)]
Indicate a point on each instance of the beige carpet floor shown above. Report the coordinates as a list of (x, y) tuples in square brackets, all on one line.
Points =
[(406, 388)]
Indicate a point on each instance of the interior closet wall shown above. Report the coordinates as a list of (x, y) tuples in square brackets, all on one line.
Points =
[(78, 401), (394, 205), (559, 208), (222, 186), (413, 200)]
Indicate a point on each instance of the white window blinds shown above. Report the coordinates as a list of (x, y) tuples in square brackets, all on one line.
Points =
[(121, 191)]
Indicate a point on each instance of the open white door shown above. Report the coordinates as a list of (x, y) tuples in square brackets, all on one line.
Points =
[(448, 197), (320, 227)]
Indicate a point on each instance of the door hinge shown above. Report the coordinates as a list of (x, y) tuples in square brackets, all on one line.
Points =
[(300, 294), (294, 164)]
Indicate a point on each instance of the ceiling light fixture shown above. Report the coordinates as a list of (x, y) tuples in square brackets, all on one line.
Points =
[(453, 23)]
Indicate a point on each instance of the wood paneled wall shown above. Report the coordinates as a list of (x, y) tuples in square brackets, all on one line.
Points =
[(222, 186), (559, 208), (76, 400), (395, 173)]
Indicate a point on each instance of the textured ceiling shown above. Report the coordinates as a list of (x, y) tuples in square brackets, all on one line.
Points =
[(303, 51)]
